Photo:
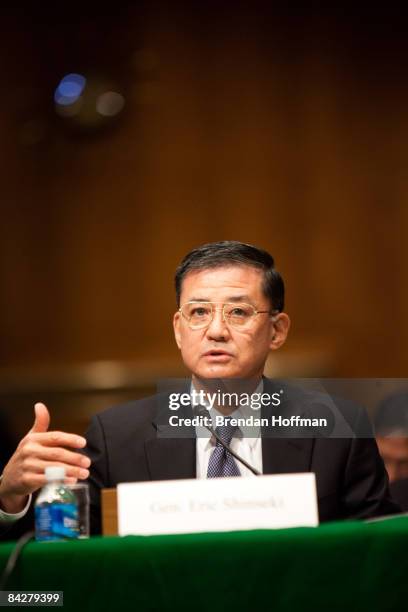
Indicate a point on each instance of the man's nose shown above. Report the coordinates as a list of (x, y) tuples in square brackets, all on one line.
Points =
[(218, 329)]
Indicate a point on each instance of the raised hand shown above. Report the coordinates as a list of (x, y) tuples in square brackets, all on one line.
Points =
[(24, 473)]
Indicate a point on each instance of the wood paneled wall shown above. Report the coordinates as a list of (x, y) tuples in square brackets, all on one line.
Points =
[(239, 124)]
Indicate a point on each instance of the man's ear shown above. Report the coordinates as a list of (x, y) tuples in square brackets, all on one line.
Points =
[(176, 327), (280, 330)]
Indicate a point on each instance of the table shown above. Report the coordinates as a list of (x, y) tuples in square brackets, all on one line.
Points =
[(335, 567)]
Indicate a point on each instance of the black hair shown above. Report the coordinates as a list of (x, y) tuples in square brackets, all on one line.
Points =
[(232, 252)]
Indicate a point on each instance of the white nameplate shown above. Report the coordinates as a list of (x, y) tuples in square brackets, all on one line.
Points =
[(217, 504)]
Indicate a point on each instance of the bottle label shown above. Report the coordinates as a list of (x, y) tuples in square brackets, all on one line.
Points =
[(56, 521)]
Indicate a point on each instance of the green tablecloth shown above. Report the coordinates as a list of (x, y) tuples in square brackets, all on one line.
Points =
[(339, 566)]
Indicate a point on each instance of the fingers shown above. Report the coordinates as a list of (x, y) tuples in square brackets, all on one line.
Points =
[(32, 482), (70, 481), (37, 466), (30, 452), (42, 418), (56, 455), (57, 438), (35, 457)]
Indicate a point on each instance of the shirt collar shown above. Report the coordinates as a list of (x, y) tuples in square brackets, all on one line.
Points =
[(249, 432)]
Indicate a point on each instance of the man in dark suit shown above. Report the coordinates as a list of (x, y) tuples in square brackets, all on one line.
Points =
[(230, 316)]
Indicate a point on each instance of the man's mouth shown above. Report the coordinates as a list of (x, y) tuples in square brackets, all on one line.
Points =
[(217, 355)]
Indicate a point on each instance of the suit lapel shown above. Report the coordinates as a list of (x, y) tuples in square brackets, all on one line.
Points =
[(171, 458), (286, 454), (172, 453)]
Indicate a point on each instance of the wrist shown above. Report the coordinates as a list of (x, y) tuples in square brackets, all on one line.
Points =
[(11, 503)]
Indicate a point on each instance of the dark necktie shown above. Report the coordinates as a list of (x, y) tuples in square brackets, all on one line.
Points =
[(222, 463)]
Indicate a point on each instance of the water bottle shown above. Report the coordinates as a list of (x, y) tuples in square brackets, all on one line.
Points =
[(56, 509)]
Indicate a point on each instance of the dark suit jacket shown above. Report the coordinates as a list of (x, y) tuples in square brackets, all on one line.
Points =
[(399, 492), (125, 444)]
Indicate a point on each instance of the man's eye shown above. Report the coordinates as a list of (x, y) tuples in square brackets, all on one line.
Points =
[(199, 312), (238, 312)]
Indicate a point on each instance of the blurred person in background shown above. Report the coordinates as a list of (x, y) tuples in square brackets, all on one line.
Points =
[(391, 430)]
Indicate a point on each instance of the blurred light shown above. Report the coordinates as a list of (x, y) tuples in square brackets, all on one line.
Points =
[(69, 110), (88, 104), (69, 89), (110, 103)]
